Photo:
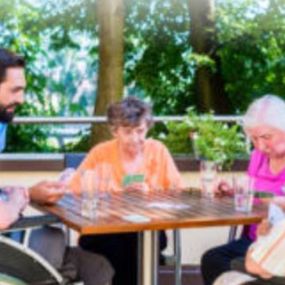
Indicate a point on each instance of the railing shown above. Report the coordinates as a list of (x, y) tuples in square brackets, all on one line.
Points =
[(79, 124), (103, 119), (70, 131)]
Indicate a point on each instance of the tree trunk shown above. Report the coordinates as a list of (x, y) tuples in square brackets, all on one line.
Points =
[(111, 49), (210, 89)]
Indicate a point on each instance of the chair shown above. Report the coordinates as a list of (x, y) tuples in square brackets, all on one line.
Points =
[(22, 263), (73, 160)]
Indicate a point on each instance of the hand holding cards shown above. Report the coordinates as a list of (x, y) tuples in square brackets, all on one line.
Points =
[(130, 179)]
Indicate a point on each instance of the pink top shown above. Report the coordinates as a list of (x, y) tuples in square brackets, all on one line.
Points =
[(264, 181)]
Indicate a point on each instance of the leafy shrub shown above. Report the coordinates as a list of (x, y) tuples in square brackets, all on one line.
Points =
[(206, 138)]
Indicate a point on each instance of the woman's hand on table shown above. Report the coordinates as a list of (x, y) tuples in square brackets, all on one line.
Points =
[(223, 188), (47, 192), (137, 186)]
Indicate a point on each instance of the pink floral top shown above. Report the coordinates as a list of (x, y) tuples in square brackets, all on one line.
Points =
[(265, 181)]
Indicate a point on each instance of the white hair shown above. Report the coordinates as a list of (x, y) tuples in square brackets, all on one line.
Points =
[(268, 110)]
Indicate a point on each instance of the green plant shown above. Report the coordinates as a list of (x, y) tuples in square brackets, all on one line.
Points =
[(207, 138)]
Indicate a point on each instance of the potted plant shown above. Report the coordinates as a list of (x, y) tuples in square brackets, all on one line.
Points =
[(206, 138)]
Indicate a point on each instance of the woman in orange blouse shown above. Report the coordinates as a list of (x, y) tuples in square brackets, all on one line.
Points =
[(128, 154)]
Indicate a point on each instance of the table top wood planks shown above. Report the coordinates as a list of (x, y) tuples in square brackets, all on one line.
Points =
[(137, 211)]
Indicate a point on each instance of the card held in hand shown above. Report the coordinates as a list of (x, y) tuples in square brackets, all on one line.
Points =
[(130, 179)]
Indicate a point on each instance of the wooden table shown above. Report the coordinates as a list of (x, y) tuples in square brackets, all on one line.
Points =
[(156, 211)]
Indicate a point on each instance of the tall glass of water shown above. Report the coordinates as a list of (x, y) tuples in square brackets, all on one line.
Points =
[(89, 195), (208, 175), (243, 193)]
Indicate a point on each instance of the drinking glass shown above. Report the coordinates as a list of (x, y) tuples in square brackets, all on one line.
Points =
[(96, 186), (89, 195), (243, 193), (208, 175)]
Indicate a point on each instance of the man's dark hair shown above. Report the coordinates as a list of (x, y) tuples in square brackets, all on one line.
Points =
[(9, 59)]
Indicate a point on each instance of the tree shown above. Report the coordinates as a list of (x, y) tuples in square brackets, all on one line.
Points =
[(251, 36), (111, 61), (210, 88), (157, 67)]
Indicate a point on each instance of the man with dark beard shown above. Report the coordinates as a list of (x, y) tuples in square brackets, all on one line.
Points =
[(12, 85), (74, 263)]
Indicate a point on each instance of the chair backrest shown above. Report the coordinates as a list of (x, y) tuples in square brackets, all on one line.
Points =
[(20, 262), (73, 159)]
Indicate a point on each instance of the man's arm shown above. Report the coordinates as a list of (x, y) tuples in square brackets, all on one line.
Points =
[(47, 192), (17, 199)]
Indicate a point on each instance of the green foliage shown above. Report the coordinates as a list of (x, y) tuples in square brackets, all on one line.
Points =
[(210, 139), (160, 64), (156, 53), (56, 35), (252, 49), (28, 138), (60, 74), (177, 138)]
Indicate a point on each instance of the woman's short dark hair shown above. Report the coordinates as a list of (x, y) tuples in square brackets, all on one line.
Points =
[(9, 59), (129, 112)]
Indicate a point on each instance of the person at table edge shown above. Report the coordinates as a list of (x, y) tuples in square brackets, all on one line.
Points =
[(128, 153), (76, 263), (264, 123)]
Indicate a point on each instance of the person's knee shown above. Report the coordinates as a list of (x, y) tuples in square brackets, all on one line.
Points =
[(209, 258), (89, 267), (94, 264), (106, 266)]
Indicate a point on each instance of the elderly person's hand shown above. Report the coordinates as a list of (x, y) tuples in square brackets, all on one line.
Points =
[(137, 186), (254, 268), (47, 192), (263, 228), (223, 188), (251, 266)]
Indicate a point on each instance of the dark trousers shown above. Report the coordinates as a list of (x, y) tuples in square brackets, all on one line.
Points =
[(218, 260), (122, 252)]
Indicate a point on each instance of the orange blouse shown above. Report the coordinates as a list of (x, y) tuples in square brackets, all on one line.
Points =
[(159, 170)]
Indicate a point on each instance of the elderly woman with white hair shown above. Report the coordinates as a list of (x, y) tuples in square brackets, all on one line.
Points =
[(264, 123)]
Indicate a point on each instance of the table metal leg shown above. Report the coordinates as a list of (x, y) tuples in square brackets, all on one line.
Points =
[(150, 258), (147, 258), (140, 259), (232, 233), (155, 253), (177, 253)]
